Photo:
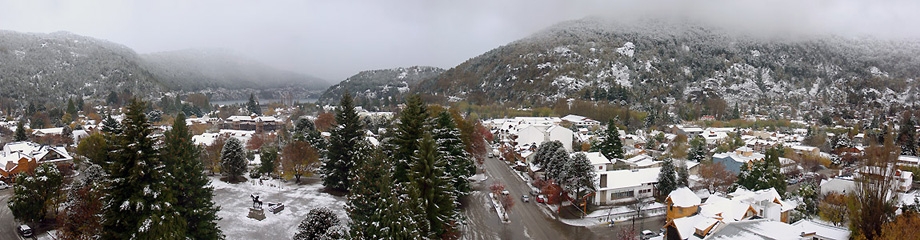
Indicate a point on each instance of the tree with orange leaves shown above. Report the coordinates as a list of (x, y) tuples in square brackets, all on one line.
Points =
[(905, 226), (325, 121), (299, 159)]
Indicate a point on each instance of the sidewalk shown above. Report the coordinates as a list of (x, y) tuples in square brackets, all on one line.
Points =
[(603, 216)]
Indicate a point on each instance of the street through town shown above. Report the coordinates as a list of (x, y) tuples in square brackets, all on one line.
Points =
[(528, 220), (7, 223)]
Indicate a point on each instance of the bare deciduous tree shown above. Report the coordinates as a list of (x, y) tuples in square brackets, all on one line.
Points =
[(715, 178)]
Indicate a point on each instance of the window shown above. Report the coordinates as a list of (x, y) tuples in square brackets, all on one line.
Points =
[(624, 194)]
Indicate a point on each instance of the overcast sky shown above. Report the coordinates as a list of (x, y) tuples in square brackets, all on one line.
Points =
[(335, 39)]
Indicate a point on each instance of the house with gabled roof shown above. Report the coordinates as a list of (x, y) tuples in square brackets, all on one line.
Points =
[(681, 203), (19, 157), (712, 217)]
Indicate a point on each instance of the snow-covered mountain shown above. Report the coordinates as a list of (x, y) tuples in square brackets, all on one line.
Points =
[(380, 87), (60, 65), (50, 68), (689, 69)]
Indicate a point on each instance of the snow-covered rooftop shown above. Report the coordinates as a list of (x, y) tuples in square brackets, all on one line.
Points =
[(683, 197)]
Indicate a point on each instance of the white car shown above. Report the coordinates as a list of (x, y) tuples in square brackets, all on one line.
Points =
[(25, 231), (3, 185)]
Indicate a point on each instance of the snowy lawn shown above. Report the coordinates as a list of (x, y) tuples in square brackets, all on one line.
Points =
[(235, 202)]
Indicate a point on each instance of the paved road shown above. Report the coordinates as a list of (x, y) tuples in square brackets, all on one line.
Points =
[(7, 223), (528, 220)]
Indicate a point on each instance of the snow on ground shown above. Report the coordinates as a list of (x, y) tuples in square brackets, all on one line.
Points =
[(235, 202)]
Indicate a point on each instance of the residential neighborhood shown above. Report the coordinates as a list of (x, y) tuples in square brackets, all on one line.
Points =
[(459, 120)]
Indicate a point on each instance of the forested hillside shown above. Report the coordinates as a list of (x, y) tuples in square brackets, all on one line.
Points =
[(689, 70), (57, 66), (380, 87)]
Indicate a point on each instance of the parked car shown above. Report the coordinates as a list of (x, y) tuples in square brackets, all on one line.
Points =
[(534, 191), (25, 230), (3, 185), (541, 199), (505, 192), (525, 198), (647, 234)]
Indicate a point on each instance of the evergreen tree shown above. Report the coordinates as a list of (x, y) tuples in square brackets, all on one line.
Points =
[(79, 103), (427, 175), (409, 130), (317, 223), (20, 134), (369, 197), (555, 166), (545, 152), (907, 137), (193, 191), (405, 216), (611, 146), (764, 174), (32, 196), (268, 157), (343, 144), (459, 163), (580, 175), (305, 130), (67, 134), (253, 106), (667, 181), (682, 174), (233, 159), (71, 108), (698, 150), (110, 125), (139, 203)]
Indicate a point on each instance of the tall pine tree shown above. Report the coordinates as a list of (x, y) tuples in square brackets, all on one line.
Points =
[(193, 191), (20, 134), (368, 197), (404, 217), (409, 130), (545, 152), (697, 149), (682, 174), (427, 175), (233, 159), (459, 163), (907, 137), (253, 105), (667, 181), (611, 146), (305, 130), (343, 144), (759, 175), (580, 175), (139, 203)]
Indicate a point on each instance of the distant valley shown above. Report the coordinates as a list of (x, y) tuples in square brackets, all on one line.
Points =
[(50, 68)]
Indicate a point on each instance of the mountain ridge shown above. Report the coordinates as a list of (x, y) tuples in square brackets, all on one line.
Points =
[(668, 67), (53, 67), (380, 87)]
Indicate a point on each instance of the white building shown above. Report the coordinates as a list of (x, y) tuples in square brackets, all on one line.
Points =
[(598, 161), (580, 121), (536, 134), (626, 185)]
